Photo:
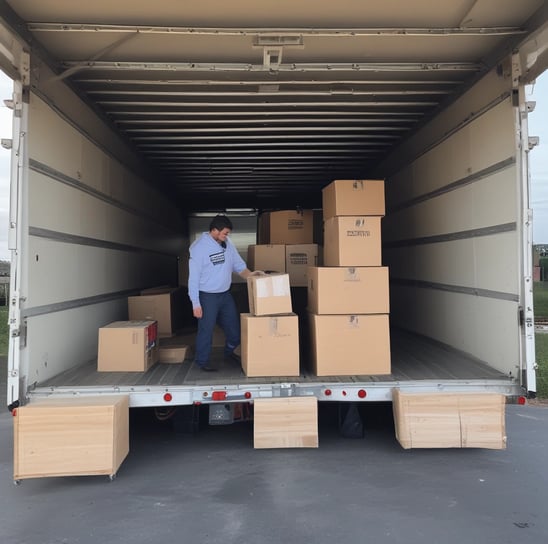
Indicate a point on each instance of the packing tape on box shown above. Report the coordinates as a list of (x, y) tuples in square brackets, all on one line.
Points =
[(351, 274), (274, 286), (358, 184)]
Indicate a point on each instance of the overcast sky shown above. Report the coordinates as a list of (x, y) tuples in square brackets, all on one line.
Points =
[(538, 126)]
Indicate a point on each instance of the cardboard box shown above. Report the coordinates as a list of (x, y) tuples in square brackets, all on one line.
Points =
[(290, 422), (298, 258), (77, 436), (128, 346), (348, 345), (269, 294), (353, 197), (348, 290), (173, 354), (449, 420), (164, 305), (352, 241), (270, 345), (266, 257), (286, 227)]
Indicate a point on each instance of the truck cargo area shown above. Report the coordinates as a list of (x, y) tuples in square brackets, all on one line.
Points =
[(135, 123), (418, 364)]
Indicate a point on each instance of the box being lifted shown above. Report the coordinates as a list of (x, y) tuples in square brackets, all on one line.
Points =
[(128, 346), (77, 436), (353, 197), (449, 420), (269, 294)]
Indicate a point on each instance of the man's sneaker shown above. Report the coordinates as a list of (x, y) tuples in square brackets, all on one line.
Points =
[(206, 367), (236, 355)]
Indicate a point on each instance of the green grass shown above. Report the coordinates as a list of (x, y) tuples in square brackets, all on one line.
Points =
[(3, 330), (540, 298), (540, 301), (541, 348)]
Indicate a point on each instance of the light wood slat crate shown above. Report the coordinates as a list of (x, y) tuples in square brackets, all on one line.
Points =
[(450, 420), (288, 422), (71, 437)]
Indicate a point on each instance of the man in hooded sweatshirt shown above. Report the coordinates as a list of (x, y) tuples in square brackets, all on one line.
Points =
[(213, 259)]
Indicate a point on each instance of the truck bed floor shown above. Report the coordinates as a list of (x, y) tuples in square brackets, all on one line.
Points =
[(413, 358)]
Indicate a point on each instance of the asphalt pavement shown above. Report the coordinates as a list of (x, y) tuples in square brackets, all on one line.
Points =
[(214, 487)]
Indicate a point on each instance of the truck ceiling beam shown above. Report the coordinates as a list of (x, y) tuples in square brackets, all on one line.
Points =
[(91, 64), (270, 33)]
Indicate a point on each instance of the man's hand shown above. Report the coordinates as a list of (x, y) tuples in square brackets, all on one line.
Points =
[(197, 312), (258, 273)]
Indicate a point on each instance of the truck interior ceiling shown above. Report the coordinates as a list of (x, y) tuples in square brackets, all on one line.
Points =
[(262, 106)]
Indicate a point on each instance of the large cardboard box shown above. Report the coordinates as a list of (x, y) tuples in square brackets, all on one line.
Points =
[(352, 241), (270, 345), (266, 257), (164, 305), (353, 197), (449, 420), (286, 227), (348, 290), (128, 346), (77, 436), (347, 345), (298, 258), (288, 422), (269, 294)]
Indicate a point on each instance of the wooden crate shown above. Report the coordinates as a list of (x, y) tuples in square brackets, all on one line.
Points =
[(289, 422), (71, 437), (449, 420)]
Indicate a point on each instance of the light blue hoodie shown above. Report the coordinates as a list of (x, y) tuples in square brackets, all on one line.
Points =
[(211, 266)]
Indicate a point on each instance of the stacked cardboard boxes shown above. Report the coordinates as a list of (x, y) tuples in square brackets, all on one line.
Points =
[(270, 332), (293, 259), (348, 299), (285, 244)]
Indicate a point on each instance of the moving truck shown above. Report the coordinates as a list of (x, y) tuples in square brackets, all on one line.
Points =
[(135, 122)]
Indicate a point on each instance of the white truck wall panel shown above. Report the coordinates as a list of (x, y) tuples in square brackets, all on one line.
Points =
[(485, 262), (60, 272), (482, 327), (104, 202), (75, 156), (485, 325), (82, 214), (466, 208), (62, 340)]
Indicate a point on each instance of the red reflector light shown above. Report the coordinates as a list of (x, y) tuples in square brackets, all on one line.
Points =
[(362, 393), (168, 397), (219, 395), (344, 393), (247, 395), (522, 400), (327, 392)]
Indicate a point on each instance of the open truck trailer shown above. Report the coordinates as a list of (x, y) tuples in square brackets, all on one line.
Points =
[(135, 121)]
